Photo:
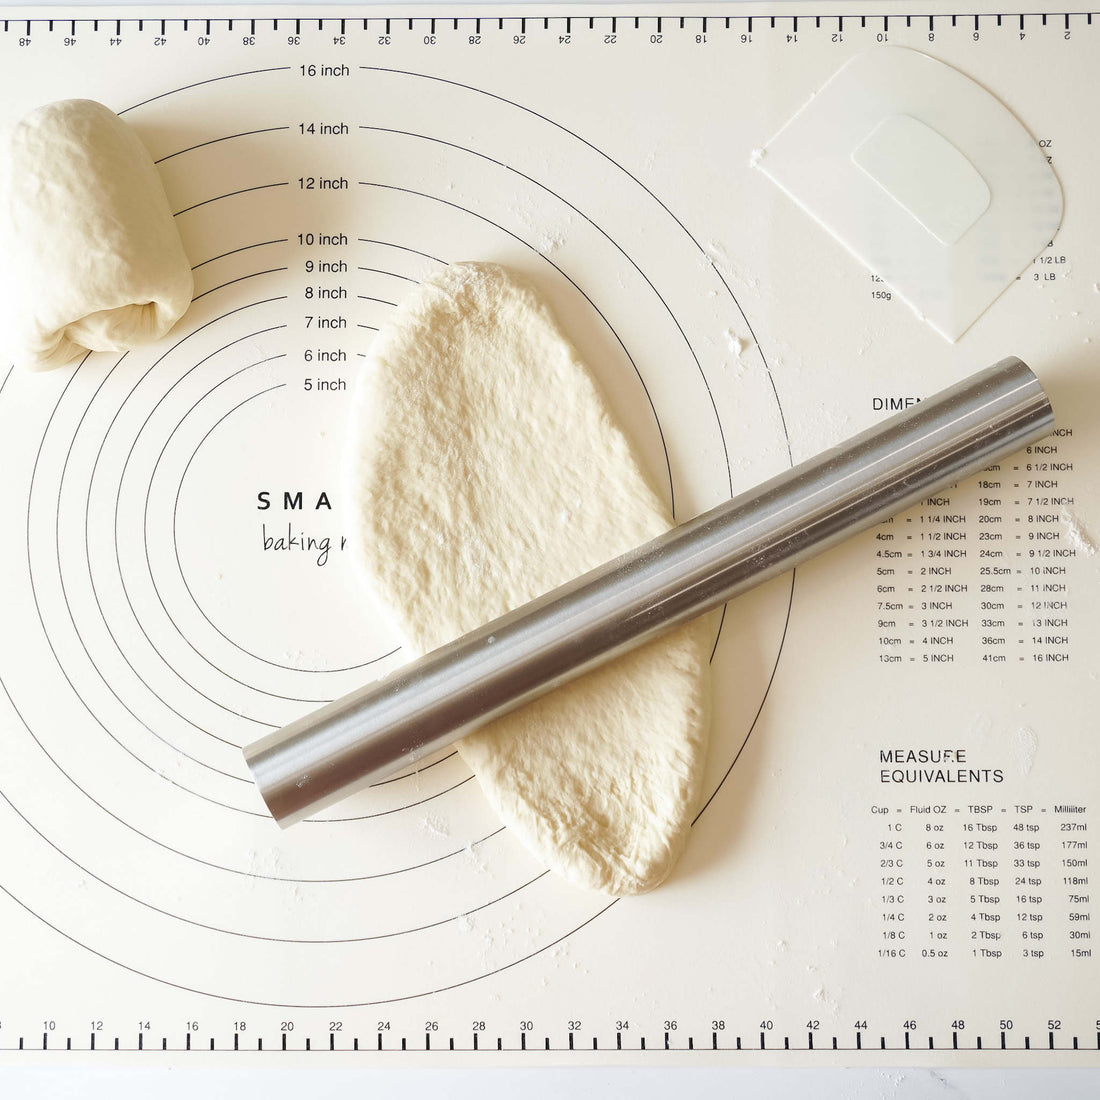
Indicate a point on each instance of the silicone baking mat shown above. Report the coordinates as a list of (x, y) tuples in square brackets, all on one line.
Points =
[(892, 861)]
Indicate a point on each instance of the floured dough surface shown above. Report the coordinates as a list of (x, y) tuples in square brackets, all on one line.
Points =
[(483, 470), (90, 258)]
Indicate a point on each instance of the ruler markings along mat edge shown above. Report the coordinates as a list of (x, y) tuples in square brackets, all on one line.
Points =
[(780, 25)]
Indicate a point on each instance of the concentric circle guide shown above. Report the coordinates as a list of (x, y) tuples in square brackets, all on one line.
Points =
[(185, 566)]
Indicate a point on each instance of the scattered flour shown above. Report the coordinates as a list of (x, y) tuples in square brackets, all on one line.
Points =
[(267, 863), (737, 344), (435, 826), (716, 256), (1025, 744), (551, 242), (474, 856), (1076, 535)]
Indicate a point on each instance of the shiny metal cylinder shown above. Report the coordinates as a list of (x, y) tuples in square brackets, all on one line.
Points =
[(691, 569)]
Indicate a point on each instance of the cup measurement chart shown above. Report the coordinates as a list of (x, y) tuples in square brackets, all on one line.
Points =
[(891, 858)]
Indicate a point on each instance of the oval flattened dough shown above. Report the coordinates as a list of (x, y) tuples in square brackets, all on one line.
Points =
[(483, 470), (90, 258)]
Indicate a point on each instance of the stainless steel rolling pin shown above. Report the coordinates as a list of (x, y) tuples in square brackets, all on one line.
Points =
[(697, 566)]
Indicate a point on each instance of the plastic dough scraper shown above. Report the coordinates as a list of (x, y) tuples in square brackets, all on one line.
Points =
[(925, 177)]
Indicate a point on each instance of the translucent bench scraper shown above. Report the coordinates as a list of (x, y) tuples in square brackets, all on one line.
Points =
[(691, 569)]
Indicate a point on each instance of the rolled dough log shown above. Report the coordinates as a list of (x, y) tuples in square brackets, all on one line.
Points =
[(483, 470), (90, 259)]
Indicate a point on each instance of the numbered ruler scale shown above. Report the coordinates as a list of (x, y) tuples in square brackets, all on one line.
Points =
[(892, 859)]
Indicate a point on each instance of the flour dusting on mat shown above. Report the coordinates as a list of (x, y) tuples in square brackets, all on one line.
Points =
[(738, 345), (1024, 746), (1076, 535)]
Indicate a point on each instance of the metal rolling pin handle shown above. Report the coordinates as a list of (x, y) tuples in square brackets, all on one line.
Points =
[(433, 701)]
